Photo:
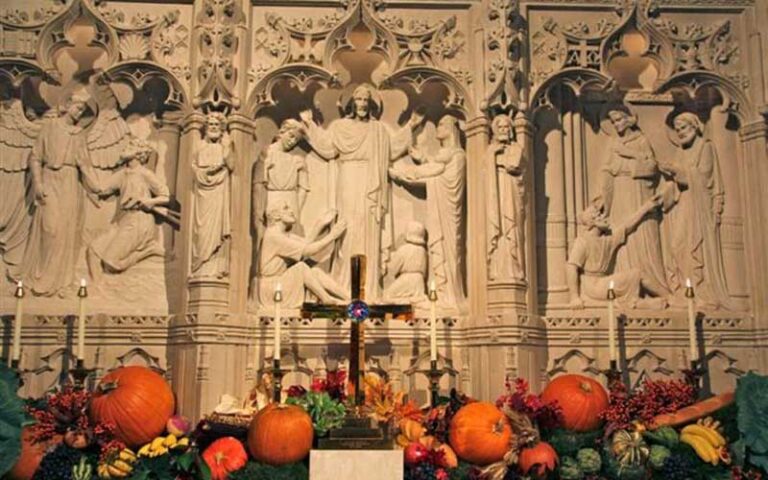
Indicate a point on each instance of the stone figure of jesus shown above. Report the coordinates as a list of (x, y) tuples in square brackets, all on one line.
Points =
[(362, 148)]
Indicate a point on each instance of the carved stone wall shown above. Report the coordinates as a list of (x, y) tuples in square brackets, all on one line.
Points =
[(483, 145)]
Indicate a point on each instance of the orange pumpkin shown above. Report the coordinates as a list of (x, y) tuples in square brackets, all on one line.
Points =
[(480, 433), (280, 434), (541, 458), (31, 455), (137, 401), (224, 456), (581, 399)]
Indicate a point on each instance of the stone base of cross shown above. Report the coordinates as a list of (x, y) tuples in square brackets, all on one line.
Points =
[(357, 311)]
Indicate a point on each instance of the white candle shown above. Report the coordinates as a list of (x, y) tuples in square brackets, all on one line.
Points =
[(278, 299), (611, 323), (17, 321), (432, 321), (82, 293), (691, 320)]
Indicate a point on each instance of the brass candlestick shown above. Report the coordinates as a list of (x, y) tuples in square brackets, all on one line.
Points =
[(80, 374)]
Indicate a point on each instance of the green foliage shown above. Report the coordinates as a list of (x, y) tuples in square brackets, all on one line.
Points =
[(569, 469), (176, 464), (665, 436), (259, 471), (12, 419), (659, 454), (326, 412), (589, 460), (752, 403), (567, 443), (461, 472)]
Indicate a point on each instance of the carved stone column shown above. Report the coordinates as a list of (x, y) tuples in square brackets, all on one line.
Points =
[(241, 130), (753, 177), (477, 269)]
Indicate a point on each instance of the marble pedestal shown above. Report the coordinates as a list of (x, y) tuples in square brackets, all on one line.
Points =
[(356, 465)]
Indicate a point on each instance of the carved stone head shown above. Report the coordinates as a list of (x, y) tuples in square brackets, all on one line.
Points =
[(281, 212), (76, 105), (291, 132), (362, 105), (215, 123), (448, 132), (415, 233), (688, 127), (593, 217), (502, 129), (622, 119), (139, 150)]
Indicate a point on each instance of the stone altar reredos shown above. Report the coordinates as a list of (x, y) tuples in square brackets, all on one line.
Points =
[(520, 134)]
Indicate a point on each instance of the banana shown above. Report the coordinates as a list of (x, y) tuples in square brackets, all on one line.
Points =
[(170, 441), (157, 443), (127, 455), (708, 433), (703, 448), (183, 442), (115, 472), (145, 450)]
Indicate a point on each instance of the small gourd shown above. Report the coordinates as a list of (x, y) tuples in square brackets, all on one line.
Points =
[(570, 470), (589, 460), (629, 448), (659, 455)]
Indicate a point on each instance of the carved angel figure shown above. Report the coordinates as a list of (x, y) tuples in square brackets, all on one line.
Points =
[(132, 236), (60, 149), (17, 137), (65, 145)]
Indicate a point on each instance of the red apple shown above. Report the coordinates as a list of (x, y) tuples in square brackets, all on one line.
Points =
[(415, 453)]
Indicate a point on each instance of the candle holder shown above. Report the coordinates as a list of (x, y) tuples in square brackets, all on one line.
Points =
[(80, 374), (435, 375), (694, 375), (613, 374), (277, 381)]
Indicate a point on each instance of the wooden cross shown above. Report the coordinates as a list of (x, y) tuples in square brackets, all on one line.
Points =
[(357, 311)]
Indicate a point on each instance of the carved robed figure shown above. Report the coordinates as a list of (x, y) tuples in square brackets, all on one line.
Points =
[(212, 165), (505, 197), (696, 198), (444, 177), (54, 240), (629, 179), (362, 148)]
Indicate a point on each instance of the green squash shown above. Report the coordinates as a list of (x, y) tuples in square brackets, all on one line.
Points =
[(589, 460), (659, 454), (666, 436), (569, 469)]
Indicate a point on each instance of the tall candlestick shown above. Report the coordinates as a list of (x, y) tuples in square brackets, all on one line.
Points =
[(611, 323), (691, 320), (82, 294), (432, 321), (278, 321), (17, 322)]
